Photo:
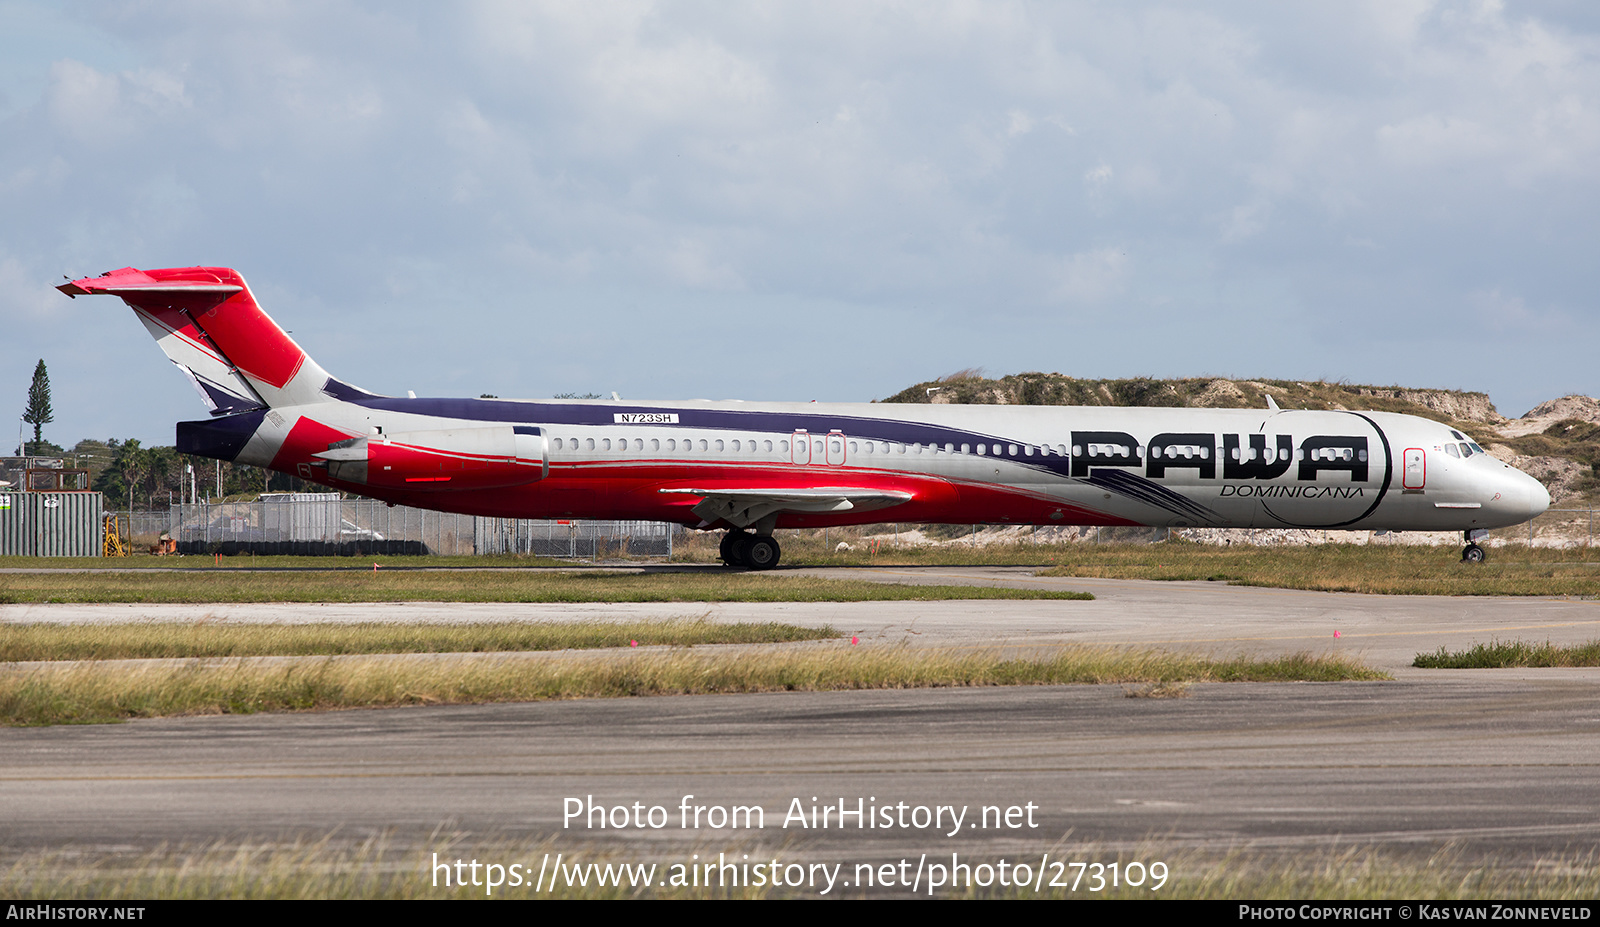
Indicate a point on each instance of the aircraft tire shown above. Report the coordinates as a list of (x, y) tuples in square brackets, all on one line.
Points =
[(762, 553), (741, 550), (1473, 554), (727, 550)]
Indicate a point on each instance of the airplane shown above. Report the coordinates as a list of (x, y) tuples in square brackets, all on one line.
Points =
[(747, 468)]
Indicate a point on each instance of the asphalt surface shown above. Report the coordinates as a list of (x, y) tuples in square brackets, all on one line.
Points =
[(1499, 761)]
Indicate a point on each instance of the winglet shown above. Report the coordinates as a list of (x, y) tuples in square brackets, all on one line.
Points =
[(1272, 404)]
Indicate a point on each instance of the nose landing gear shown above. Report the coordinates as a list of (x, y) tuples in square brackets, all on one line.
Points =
[(752, 551), (1472, 553)]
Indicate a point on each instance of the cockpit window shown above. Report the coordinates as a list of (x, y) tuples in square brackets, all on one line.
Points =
[(1476, 448), (1466, 449), (1457, 435), (1451, 450)]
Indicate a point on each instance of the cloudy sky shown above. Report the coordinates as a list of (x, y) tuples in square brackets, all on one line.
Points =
[(808, 201)]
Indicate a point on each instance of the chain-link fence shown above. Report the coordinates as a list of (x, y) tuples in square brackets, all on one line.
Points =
[(1555, 528), (575, 538), (323, 524)]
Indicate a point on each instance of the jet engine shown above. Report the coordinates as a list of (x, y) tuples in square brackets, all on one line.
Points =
[(441, 461)]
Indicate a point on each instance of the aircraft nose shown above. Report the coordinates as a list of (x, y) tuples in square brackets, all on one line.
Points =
[(1524, 497), (1538, 496), (1517, 497)]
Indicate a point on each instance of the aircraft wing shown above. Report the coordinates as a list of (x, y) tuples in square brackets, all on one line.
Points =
[(744, 507)]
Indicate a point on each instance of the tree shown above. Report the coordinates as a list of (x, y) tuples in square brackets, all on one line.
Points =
[(39, 413)]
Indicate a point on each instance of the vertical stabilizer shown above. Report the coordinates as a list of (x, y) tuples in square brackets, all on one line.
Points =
[(210, 325)]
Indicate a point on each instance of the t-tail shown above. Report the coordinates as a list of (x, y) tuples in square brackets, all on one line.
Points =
[(238, 359)]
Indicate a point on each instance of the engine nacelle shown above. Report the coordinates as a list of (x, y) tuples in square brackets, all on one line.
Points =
[(440, 461)]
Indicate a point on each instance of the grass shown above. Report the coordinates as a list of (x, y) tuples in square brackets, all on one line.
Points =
[(1358, 873), (1383, 570), (286, 562), (1502, 654), (173, 640), (88, 693), (384, 868), (477, 586)]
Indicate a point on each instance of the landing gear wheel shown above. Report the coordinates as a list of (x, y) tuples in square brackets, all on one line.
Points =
[(727, 549), (1473, 554), (762, 553), (740, 549)]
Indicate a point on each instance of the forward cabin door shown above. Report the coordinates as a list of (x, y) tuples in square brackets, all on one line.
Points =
[(1416, 469)]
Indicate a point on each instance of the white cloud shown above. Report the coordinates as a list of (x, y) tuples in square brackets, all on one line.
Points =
[(1505, 313), (1092, 276), (84, 102), (27, 298)]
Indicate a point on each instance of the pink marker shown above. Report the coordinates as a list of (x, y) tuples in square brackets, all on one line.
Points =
[(1336, 634), (633, 643), (854, 640)]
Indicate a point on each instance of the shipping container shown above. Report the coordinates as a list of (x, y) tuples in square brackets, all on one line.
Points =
[(51, 524)]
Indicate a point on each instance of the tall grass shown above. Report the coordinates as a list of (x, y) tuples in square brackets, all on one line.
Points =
[(1502, 654), (169, 640), (100, 692), (479, 586), (386, 868)]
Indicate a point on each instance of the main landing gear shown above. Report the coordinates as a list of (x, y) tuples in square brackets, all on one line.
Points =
[(1472, 553), (753, 551)]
